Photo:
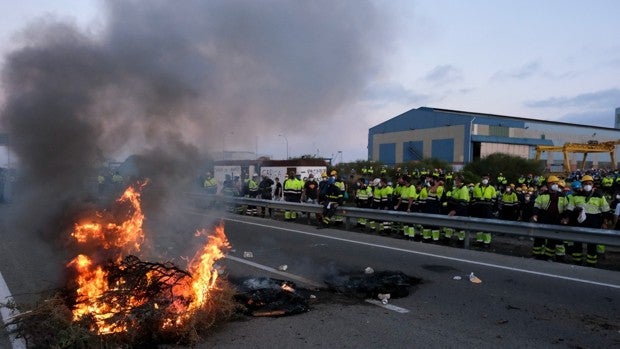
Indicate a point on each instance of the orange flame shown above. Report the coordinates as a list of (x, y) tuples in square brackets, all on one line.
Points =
[(201, 267), (127, 236), (93, 281)]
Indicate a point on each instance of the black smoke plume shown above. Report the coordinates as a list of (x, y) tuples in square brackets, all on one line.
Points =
[(164, 80)]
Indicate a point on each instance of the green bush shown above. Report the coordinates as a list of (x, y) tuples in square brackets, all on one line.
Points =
[(509, 165)]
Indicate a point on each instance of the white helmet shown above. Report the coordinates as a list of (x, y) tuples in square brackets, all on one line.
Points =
[(376, 182)]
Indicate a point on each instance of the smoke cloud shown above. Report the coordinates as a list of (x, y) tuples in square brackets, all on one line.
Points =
[(164, 80)]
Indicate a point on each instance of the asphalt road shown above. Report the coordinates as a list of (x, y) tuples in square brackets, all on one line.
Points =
[(520, 303)]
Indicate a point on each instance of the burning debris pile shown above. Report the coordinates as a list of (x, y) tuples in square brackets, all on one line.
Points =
[(136, 297), (113, 297), (271, 297)]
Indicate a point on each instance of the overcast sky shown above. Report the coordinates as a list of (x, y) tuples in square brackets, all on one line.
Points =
[(553, 59)]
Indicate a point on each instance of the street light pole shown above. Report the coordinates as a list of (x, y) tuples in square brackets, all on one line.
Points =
[(470, 145), (286, 140)]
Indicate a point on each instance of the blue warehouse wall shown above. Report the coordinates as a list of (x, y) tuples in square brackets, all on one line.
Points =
[(443, 149)]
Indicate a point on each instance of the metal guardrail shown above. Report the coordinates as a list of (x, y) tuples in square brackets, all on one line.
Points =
[(470, 224)]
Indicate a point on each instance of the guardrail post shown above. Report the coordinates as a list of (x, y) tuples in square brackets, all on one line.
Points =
[(466, 242), (347, 223)]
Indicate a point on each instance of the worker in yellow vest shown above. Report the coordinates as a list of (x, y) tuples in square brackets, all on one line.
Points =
[(363, 195), (589, 209), (210, 184), (404, 203), (458, 203), (484, 196), (509, 204), (292, 189), (550, 207)]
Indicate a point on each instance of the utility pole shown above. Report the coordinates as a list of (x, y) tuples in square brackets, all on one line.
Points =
[(286, 140)]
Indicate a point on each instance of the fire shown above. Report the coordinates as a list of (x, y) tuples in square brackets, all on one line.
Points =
[(108, 294), (126, 236), (201, 267), (92, 281)]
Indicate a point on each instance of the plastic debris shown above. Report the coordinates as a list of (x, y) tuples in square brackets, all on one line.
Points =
[(283, 267), (473, 278), (369, 270), (457, 277), (312, 296), (248, 254), (384, 297)]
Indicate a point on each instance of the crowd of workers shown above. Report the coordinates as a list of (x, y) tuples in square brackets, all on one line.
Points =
[(583, 200)]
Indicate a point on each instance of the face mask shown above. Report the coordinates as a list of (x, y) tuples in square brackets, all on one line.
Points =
[(618, 197), (554, 187), (527, 198), (507, 190), (587, 187), (485, 181)]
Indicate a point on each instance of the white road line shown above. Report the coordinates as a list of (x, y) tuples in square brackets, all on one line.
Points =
[(276, 271), (8, 314), (533, 272), (387, 306)]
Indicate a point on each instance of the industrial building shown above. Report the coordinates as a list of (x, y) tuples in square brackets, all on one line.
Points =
[(460, 137)]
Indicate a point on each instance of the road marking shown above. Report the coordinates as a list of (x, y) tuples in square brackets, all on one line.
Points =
[(387, 306), (8, 314), (533, 272), (276, 271)]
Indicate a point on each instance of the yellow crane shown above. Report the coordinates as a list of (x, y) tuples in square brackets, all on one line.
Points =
[(585, 148)]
